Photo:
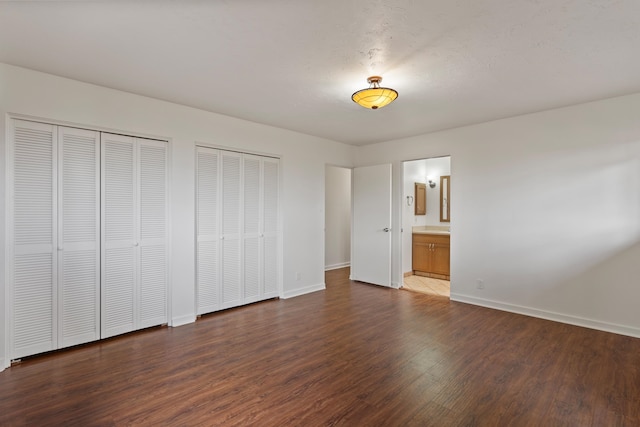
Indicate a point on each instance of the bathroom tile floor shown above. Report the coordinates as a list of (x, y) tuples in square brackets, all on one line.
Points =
[(427, 285)]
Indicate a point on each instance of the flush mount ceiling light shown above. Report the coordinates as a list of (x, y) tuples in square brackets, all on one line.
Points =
[(375, 96)]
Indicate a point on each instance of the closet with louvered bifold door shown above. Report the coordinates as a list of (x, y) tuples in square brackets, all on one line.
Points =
[(237, 228), (53, 237), (134, 234), (86, 236)]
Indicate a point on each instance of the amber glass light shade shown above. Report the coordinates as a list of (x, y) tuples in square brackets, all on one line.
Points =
[(375, 96)]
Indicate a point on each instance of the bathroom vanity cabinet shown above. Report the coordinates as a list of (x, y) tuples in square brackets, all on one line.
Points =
[(431, 255)]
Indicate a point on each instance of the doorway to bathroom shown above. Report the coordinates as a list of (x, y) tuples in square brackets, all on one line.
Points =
[(426, 225)]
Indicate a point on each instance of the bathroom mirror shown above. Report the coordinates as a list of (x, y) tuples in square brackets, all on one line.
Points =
[(445, 201), (420, 198)]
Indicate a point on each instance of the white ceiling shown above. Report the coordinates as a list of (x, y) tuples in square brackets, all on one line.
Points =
[(295, 63)]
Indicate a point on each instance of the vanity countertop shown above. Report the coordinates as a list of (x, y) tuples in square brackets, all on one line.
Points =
[(431, 229)]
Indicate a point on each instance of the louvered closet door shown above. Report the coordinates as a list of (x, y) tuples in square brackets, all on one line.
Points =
[(271, 233), (237, 229), (119, 218), (152, 205), (33, 266), (78, 236), (208, 236), (252, 250), (231, 227)]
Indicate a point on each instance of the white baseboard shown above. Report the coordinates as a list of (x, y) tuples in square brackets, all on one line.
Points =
[(182, 320), (549, 315), (303, 291), (337, 266)]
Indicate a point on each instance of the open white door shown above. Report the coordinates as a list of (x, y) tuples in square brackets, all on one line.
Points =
[(371, 253)]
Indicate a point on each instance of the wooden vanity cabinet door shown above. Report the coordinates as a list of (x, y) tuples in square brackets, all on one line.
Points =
[(420, 254), (440, 259)]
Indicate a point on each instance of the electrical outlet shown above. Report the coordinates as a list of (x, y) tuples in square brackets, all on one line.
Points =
[(298, 275), (480, 284)]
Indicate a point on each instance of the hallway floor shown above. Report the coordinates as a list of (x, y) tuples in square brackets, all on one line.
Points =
[(427, 285)]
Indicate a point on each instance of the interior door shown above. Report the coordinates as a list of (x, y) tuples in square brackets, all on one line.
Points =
[(208, 234), (152, 232), (251, 236), (371, 257), (78, 236), (231, 228), (118, 267), (270, 232), (34, 263)]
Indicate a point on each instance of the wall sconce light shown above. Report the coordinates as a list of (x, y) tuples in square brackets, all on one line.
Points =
[(432, 183)]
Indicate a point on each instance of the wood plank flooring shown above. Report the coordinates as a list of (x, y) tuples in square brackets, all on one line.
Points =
[(353, 355)]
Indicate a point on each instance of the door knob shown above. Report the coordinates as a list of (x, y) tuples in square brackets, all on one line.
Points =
[(386, 229)]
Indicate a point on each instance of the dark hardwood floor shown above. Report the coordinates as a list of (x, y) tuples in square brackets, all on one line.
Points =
[(353, 355)]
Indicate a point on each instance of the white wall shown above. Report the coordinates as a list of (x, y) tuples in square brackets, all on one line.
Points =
[(546, 208), (337, 250), (417, 171), (546, 211), (303, 162)]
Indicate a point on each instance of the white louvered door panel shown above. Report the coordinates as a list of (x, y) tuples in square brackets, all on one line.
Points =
[(271, 233), (78, 236), (152, 206), (237, 229), (231, 226), (208, 237), (119, 219), (252, 223), (32, 270)]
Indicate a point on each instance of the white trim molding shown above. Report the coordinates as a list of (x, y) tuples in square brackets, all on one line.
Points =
[(548, 315), (302, 291), (337, 266), (182, 320)]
